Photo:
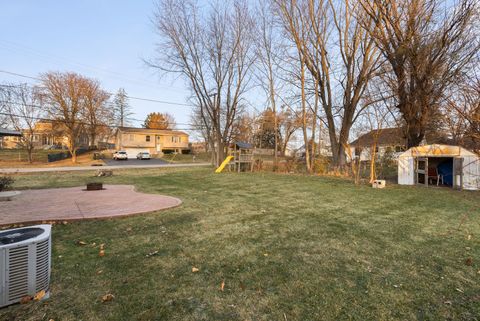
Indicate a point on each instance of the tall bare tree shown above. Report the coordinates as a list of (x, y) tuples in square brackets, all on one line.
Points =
[(64, 95), (212, 50), (122, 110), (321, 31), (427, 45), (96, 115), (24, 107), (269, 52), (462, 112)]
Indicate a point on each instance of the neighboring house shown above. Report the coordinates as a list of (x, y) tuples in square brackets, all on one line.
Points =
[(8, 134), (198, 147), (46, 133), (386, 140), (155, 141)]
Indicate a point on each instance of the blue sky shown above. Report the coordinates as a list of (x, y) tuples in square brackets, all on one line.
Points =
[(102, 39)]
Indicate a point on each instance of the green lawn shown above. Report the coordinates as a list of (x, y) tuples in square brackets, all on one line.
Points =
[(288, 247)]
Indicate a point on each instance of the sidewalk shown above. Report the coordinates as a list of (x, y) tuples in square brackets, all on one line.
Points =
[(93, 168)]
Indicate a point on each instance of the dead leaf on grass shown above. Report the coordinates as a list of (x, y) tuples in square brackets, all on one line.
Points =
[(101, 253), (102, 246), (469, 261), (194, 269), (25, 299), (39, 295), (99, 272), (222, 285), (152, 254), (81, 243), (108, 297)]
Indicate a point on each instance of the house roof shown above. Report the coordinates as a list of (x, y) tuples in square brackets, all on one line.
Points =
[(244, 145), (8, 132), (386, 136), (437, 150), (151, 131)]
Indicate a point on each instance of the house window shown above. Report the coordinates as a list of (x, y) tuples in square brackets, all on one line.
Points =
[(175, 139), (147, 138)]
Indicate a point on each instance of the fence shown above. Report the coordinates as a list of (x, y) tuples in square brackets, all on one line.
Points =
[(64, 155)]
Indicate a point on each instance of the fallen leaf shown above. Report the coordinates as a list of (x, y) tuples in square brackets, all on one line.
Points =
[(39, 295), (265, 254), (152, 254), (81, 243), (459, 290), (194, 269), (448, 302), (469, 261), (107, 297), (222, 285), (99, 272), (65, 222), (101, 253), (102, 246), (26, 299), (129, 229), (242, 286), (469, 237)]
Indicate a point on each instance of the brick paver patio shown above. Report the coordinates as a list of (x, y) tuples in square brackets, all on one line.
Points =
[(75, 203)]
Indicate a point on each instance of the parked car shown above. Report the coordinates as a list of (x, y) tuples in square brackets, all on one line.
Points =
[(143, 155), (120, 155)]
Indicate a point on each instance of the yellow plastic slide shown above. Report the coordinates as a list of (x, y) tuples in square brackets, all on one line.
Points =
[(224, 163)]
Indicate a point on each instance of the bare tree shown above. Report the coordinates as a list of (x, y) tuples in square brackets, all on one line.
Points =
[(269, 51), (95, 114), (427, 44), (213, 51), (321, 31), (122, 110), (462, 112), (23, 105), (4, 106), (64, 95), (289, 122)]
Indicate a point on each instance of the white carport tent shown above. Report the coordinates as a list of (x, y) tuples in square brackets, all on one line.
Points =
[(466, 165)]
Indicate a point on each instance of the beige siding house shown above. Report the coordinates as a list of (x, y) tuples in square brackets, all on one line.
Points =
[(155, 141)]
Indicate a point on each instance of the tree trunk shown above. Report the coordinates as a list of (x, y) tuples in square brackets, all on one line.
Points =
[(373, 154), (220, 151), (74, 156), (29, 154)]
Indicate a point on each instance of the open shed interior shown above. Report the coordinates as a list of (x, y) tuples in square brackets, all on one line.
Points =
[(435, 171)]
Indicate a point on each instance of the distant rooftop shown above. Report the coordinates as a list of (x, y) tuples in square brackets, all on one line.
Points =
[(152, 131), (9, 132), (386, 136)]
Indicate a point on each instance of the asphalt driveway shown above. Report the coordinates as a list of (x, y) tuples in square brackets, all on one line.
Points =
[(153, 161)]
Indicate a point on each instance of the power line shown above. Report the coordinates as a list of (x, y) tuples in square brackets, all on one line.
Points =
[(39, 106), (130, 97), (76, 122), (13, 46)]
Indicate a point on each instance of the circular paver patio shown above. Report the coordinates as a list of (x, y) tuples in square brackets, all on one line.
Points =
[(75, 203)]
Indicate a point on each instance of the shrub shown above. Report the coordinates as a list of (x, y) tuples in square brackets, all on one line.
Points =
[(6, 182)]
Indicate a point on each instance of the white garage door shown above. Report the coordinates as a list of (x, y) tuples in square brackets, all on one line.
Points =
[(132, 152)]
